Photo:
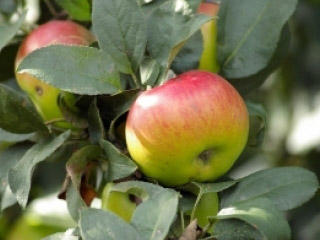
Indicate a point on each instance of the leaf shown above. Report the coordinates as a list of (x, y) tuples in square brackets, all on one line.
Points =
[(261, 214), (9, 158), (201, 188), (121, 31), (96, 127), (77, 9), (235, 229), (169, 27), (246, 44), (149, 71), (119, 165), (102, 225), (8, 6), (154, 216), (258, 120), (12, 137), (8, 31), (117, 104), (14, 108), (77, 164), (75, 202), (60, 236), (20, 175), (285, 187), (247, 84), (76, 69), (8, 199), (189, 56)]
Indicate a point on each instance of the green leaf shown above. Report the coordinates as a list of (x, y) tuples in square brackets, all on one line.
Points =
[(121, 31), (96, 127), (76, 69), (8, 159), (246, 84), (154, 216), (77, 9), (261, 214), (60, 236), (8, 199), (258, 118), (76, 165), (20, 175), (149, 71), (197, 188), (235, 229), (169, 27), (246, 44), (12, 137), (8, 6), (119, 165), (189, 56), (7, 32), (285, 187), (102, 225), (75, 203), (14, 108), (117, 104)]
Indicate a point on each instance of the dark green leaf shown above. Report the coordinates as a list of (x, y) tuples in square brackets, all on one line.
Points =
[(76, 69), (76, 165), (102, 225), (8, 159), (8, 31), (149, 72), (247, 43), (12, 137), (77, 9), (261, 214), (120, 166), (96, 127), (189, 56), (231, 229), (14, 108), (20, 175), (258, 118), (169, 27), (75, 203), (121, 31), (285, 187), (247, 84)]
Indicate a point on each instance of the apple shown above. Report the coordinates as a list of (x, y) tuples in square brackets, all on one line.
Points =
[(207, 207), (192, 128), (208, 60), (118, 202), (45, 96)]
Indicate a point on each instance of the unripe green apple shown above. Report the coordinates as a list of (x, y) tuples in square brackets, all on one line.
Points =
[(192, 128), (208, 60), (117, 202), (207, 207), (45, 96)]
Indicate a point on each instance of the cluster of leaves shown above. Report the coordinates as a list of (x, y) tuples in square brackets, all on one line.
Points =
[(139, 43)]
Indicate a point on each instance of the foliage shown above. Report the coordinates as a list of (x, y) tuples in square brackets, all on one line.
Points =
[(138, 44)]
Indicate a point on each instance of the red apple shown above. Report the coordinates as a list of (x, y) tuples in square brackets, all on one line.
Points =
[(192, 128), (208, 60), (43, 95)]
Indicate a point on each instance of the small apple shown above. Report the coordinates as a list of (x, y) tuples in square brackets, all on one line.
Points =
[(117, 202), (192, 128), (208, 60), (207, 207), (43, 95)]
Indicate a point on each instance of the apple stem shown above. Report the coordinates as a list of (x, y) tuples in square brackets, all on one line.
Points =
[(136, 81), (195, 206)]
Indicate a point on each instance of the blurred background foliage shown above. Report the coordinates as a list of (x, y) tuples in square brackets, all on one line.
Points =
[(291, 97)]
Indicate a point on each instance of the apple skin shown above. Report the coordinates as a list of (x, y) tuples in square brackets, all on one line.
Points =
[(118, 202), (192, 128), (208, 60), (45, 96), (207, 207)]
